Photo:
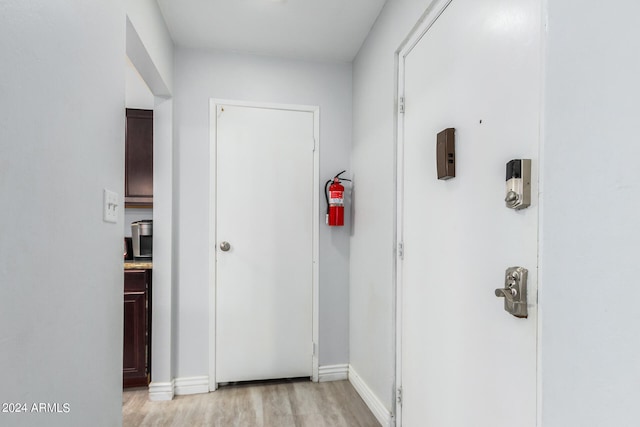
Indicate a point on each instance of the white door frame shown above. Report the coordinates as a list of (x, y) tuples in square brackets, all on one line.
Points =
[(213, 108), (428, 18)]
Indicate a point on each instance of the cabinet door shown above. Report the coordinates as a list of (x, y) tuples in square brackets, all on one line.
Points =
[(139, 158), (136, 331)]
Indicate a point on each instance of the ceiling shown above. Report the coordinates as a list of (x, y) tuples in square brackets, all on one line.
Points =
[(322, 30)]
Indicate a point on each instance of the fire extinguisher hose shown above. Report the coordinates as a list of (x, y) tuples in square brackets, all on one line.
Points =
[(326, 193)]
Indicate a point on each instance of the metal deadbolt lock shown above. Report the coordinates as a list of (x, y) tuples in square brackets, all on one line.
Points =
[(518, 191)]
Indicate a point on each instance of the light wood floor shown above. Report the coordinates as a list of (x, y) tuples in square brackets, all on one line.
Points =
[(270, 404)]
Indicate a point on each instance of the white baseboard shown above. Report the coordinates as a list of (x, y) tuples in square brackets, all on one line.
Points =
[(161, 391), (333, 373), (378, 409), (191, 385)]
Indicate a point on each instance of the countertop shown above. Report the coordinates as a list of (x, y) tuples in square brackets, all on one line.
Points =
[(138, 265)]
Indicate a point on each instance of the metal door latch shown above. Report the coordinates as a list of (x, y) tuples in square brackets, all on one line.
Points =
[(515, 291)]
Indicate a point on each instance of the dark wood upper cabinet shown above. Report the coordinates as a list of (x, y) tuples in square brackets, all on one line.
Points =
[(138, 191)]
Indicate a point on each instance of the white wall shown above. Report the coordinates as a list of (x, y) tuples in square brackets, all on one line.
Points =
[(590, 222), (200, 76), (164, 322), (61, 143), (137, 93), (150, 53), (372, 346)]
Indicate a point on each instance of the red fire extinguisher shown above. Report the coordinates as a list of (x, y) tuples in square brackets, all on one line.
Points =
[(335, 200)]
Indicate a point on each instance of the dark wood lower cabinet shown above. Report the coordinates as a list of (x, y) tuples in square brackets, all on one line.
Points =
[(136, 366)]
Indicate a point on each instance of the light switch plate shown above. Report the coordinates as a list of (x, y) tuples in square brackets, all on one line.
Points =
[(110, 205)]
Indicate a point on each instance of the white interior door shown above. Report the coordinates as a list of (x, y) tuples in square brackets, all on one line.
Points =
[(264, 199), (465, 361)]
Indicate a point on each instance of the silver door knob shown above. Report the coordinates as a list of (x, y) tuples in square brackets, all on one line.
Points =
[(225, 246)]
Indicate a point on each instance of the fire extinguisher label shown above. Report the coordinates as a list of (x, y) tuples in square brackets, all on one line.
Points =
[(336, 197)]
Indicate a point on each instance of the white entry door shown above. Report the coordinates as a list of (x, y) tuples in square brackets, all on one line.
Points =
[(264, 212), (465, 361)]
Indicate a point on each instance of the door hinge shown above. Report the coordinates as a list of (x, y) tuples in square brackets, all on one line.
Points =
[(399, 396), (314, 145), (313, 348), (401, 250), (401, 105)]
